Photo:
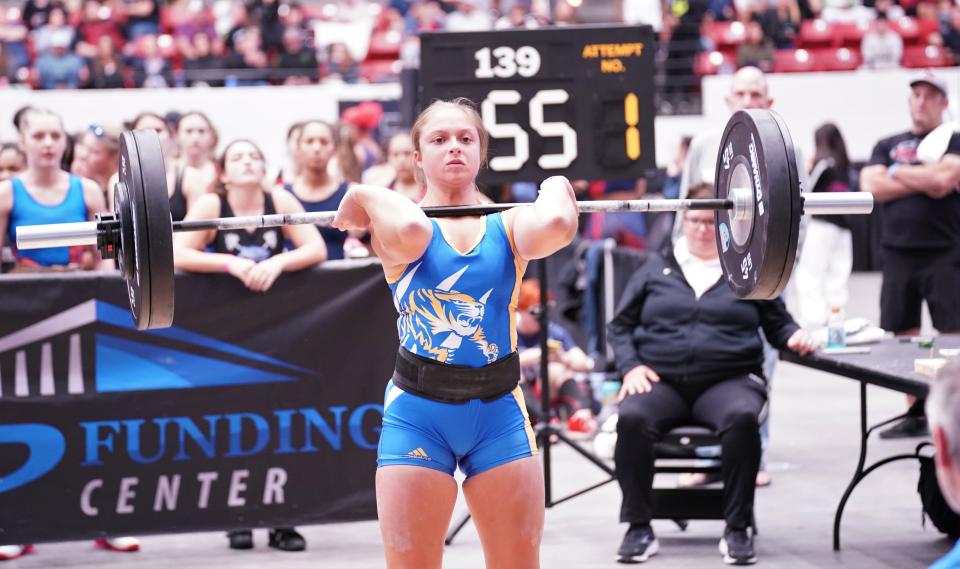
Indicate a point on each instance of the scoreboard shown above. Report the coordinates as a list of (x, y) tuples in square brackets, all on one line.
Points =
[(576, 101)]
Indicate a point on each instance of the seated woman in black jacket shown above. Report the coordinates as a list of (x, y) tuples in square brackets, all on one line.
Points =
[(690, 352)]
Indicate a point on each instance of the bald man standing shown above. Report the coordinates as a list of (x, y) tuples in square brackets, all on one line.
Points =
[(748, 90)]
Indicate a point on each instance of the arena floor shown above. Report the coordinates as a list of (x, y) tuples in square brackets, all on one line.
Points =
[(812, 456)]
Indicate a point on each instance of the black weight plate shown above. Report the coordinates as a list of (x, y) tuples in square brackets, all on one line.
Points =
[(757, 253), (121, 208), (149, 273)]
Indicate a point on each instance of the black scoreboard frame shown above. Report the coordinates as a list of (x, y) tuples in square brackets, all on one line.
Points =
[(589, 87)]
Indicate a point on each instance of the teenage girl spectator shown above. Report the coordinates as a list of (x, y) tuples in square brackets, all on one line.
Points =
[(827, 256), (255, 257), (44, 193), (291, 165), (100, 148), (315, 187), (179, 200), (196, 141), (400, 159), (12, 160)]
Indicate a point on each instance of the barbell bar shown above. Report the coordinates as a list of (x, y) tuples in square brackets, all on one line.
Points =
[(88, 232), (758, 204)]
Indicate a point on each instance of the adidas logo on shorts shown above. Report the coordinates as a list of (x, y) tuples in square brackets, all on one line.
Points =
[(418, 453)]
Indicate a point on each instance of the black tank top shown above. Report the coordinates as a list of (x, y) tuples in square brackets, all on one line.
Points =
[(178, 203), (257, 245)]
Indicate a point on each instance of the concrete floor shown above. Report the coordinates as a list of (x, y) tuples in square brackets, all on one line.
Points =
[(812, 455)]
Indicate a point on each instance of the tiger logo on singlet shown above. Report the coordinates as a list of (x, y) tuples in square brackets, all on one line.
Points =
[(440, 318), (433, 312)]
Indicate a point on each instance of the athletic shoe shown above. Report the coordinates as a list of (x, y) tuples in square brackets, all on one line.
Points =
[(582, 423), (736, 546), (240, 539), (122, 544), (8, 552), (286, 539), (639, 544)]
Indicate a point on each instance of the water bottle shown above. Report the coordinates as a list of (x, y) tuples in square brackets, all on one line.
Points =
[(608, 401), (836, 334), (609, 393)]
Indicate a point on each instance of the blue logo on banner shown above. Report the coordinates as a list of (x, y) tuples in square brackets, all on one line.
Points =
[(128, 360), (45, 446)]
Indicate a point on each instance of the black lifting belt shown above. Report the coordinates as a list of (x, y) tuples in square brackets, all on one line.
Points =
[(455, 384)]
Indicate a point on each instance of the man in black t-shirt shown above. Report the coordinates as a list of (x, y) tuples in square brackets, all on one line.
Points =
[(920, 209)]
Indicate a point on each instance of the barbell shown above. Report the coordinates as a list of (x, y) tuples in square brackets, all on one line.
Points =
[(758, 205)]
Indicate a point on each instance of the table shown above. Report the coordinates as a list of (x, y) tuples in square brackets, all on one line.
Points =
[(890, 365)]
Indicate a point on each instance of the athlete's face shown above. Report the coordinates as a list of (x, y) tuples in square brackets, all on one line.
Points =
[(243, 166), (11, 163), (316, 146), (195, 136), (43, 140), (449, 152), (400, 154), (163, 133)]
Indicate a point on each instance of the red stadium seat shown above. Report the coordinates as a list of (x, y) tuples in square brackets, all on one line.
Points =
[(927, 27), (849, 34), (380, 70), (815, 33), (926, 56), (726, 36), (793, 61), (837, 59), (713, 62), (907, 28), (385, 45)]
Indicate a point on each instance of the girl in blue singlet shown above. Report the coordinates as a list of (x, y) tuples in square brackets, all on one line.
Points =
[(44, 194), (256, 256), (455, 283)]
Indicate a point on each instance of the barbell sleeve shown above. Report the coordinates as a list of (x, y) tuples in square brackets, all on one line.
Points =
[(57, 235), (838, 203)]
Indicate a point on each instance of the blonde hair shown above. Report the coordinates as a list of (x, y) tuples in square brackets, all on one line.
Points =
[(464, 104)]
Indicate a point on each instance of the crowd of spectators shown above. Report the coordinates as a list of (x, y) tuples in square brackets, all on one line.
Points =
[(48, 44), (810, 35)]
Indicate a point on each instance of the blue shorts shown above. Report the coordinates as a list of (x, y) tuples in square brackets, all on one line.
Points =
[(476, 436)]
